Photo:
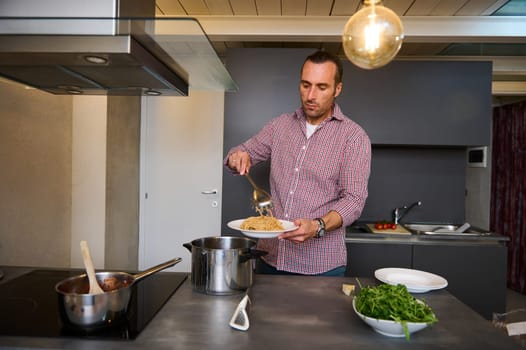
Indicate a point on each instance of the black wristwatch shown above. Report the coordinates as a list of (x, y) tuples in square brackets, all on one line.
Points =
[(321, 228)]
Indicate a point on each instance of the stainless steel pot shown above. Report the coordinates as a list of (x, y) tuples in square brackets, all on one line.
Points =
[(222, 265), (85, 310)]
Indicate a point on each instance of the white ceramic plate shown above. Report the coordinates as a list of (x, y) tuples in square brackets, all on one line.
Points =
[(416, 281), (236, 225), (388, 327)]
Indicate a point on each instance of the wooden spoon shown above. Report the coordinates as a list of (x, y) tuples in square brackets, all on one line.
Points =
[(94, 287)]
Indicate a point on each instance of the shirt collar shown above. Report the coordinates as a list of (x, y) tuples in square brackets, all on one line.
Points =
[(336, 113)]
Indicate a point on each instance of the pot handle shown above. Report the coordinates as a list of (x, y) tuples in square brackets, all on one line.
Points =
[(252, 254), (188, 246), (155, 269)]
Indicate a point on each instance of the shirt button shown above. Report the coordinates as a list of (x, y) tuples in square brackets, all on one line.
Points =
[(304, 147), (291, 192), (296, 169), (286, 215)]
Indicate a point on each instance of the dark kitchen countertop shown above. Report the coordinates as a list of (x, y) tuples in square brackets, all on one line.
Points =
[(293, 312)]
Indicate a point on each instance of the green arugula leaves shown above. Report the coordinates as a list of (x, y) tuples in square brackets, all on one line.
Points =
[(395, 303)]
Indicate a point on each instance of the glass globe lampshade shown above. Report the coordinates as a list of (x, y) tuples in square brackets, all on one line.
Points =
[(372, 36)]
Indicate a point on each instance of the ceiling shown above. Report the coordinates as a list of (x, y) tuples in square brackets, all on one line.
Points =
[(434, 29)]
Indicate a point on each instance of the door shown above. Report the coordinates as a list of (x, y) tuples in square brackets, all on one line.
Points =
[(181, 175)]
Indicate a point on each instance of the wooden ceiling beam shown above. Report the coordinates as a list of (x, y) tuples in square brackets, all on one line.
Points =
[(446, 29)]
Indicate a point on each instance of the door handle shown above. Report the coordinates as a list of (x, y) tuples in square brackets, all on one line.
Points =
[(214, 191)]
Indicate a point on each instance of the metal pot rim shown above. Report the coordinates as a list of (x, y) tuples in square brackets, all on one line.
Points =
[(85, 277), (126, 278), (200, 242)]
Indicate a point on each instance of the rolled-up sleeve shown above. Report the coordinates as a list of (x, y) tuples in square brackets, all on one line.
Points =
[(258, 147), (355, 171)]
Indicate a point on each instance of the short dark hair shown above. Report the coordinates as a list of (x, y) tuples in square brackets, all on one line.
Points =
[(324, 56)]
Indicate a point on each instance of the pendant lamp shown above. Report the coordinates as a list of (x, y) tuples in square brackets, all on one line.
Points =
[(372, 36)]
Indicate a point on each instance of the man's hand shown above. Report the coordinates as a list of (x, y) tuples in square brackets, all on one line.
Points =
[(239, 161), (306, 230)]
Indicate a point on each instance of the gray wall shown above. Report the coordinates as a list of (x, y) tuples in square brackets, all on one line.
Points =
[(35, 177), (404, 175), (420, 117), (122, 182)]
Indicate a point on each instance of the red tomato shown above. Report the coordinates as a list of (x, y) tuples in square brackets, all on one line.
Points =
[(378, 226), (393, 226)]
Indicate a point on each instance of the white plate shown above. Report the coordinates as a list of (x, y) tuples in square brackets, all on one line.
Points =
[(388, 327), (236, 225), (416, 281)]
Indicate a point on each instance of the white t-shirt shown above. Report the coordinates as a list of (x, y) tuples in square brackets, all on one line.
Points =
[(310, 129)]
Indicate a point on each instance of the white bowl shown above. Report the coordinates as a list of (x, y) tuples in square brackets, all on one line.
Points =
[(388, 327)]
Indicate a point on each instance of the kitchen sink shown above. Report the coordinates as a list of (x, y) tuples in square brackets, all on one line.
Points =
[(443, 229)]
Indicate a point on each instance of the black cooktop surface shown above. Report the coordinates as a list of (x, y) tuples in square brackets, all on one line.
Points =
[(29, 306)]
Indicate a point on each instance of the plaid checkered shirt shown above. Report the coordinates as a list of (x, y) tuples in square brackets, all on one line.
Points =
[(310, 177)]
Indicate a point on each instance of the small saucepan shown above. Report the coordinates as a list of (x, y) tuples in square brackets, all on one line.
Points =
[(85, 310)]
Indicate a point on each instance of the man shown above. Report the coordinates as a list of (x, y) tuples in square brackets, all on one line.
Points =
[(319, 170)]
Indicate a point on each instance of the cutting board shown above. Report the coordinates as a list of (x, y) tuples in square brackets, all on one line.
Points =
[(398, 230)]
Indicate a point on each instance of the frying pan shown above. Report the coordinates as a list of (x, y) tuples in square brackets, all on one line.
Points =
[(86, 310)]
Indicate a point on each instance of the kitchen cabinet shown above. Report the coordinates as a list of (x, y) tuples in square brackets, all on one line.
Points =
[(475, 271), (365, 258), (446, 103), (476, 274), (421, 102)]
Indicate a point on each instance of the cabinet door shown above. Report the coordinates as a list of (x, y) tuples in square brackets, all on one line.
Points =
[(476, 275), (438, 103), (364, 258)]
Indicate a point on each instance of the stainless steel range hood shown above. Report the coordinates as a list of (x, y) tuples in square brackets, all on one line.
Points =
[(112, 65), (103, 47)]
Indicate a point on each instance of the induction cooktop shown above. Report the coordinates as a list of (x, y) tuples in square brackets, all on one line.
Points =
[(29, 306)]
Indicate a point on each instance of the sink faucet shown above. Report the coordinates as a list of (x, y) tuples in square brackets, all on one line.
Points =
[(399, 213)]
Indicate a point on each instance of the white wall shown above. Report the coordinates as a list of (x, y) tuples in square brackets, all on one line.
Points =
[(88, 209)]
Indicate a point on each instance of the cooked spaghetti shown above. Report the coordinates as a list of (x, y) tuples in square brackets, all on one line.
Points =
[(262, 223)]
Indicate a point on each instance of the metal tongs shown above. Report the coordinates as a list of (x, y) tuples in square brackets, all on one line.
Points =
[(260, 198)]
